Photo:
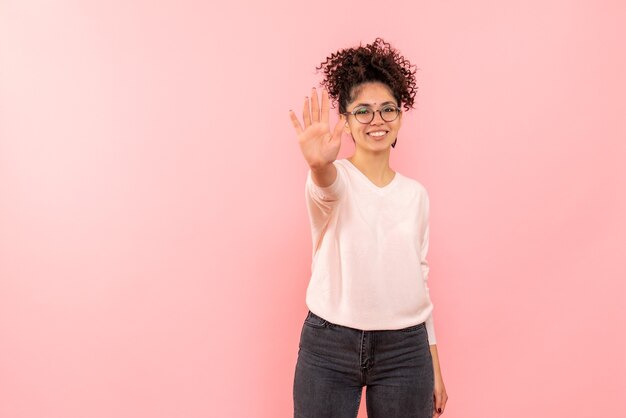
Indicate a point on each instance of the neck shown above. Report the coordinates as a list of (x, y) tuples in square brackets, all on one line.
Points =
[(374, 165)]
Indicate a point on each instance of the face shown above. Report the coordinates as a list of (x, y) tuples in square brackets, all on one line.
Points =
[(378, 135)]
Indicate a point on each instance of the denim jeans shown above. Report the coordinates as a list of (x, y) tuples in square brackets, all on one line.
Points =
[(335, 362)]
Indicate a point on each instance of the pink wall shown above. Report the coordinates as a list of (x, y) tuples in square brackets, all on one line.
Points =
[(154, 245)]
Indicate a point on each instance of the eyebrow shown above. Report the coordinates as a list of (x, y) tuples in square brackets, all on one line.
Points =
[(382, 104)]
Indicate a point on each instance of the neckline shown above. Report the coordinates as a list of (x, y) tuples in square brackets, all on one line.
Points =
[(368, 181)]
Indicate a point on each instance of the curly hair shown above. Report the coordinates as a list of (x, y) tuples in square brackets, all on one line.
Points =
[(345, 70)]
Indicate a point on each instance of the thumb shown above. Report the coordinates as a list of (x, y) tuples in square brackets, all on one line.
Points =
[(338, 129)]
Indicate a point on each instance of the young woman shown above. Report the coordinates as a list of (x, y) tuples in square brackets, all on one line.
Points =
[(370, 320)]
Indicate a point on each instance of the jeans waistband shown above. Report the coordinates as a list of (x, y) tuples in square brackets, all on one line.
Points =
[(410, 327)]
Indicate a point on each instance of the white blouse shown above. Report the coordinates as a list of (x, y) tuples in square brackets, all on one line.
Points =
[(369, 269)]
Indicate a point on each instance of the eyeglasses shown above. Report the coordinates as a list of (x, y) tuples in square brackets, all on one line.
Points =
[(388, 113)]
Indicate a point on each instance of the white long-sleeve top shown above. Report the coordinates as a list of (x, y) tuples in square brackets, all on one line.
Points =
[(369, 269)]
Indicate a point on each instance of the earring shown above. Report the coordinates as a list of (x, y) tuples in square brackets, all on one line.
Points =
[(394, 143)]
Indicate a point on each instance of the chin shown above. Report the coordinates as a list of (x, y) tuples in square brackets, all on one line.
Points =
[(380, 147)]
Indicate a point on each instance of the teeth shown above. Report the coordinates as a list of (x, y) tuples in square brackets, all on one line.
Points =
[(377, 133)]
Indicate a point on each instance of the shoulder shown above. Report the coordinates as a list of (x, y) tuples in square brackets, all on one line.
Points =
[(415, 191), (413, 184), (340, 162), (342, 167)]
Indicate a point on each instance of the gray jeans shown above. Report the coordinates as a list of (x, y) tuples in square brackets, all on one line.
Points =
[(335, 362)]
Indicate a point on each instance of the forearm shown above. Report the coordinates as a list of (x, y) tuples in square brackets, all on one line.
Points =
[(435, 356), (324, 176)]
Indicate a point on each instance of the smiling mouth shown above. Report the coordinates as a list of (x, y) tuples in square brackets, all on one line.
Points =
[(377, 134)]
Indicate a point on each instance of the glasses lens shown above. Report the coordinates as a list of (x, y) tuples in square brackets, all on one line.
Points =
[(364, 115), (389, 113)]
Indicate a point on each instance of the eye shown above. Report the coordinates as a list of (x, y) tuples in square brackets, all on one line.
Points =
[(389, 109), (362, 111)]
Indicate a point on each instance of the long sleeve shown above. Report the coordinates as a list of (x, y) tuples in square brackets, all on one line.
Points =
[(320, 203), (430, 322)]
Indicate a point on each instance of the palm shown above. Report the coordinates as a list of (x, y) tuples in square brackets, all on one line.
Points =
[(318, 145)]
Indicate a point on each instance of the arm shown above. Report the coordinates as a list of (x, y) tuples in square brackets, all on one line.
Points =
[(435, 355), (321, 201), (325, 175), (319, 148), (424, 244), (440, 396)]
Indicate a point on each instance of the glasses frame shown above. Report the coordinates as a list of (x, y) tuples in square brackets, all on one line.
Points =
[(353, 113)]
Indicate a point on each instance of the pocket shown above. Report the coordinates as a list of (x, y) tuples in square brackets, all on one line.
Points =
[(315, 321)]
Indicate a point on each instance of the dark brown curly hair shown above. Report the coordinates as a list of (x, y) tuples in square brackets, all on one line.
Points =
[(345, 70)]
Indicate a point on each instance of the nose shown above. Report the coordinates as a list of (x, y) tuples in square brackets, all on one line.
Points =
[(378, 118)]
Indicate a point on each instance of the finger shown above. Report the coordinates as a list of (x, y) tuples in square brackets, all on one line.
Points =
[(295, 122), (306, 113), (315, 106), (325, 106), (438, 406)]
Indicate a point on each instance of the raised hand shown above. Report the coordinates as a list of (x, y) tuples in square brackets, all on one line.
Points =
[(319, 146)]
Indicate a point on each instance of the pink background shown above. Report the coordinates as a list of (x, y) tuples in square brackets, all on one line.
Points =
[(154, 244)]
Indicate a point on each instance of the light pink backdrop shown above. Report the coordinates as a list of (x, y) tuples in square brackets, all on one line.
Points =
[(154, 244)]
